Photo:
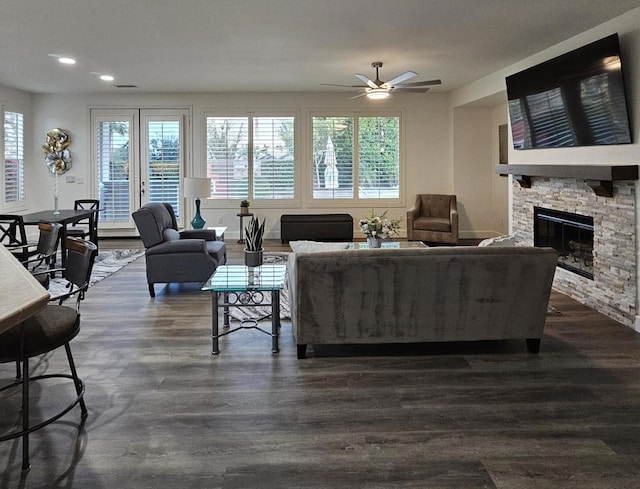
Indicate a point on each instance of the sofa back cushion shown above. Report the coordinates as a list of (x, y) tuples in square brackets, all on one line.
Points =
[(435, 205), (152, 220)]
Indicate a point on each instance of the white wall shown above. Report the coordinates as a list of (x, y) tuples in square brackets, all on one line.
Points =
[(427, 155), (439, 142), (628, 29), (472, 164)]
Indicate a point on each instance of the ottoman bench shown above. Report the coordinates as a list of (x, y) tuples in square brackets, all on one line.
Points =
[(316, 227)]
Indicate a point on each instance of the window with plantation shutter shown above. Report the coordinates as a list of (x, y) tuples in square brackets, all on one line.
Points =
[(13, 157), (378, 157), (113, 154), (251, 157), (273, 158), (333, 161), (350, 149), (228, 157), (164, 162)]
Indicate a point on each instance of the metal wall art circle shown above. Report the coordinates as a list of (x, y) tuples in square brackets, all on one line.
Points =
[(57, 156)]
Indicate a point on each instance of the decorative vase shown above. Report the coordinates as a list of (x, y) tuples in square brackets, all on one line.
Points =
[(198, 222), (253, 258), (244, 211), (374, 242)]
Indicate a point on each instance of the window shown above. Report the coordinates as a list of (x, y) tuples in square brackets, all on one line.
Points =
[(13, 157), (164, 161), (114, 166), (138, 157), (251, 157), (362, 149)]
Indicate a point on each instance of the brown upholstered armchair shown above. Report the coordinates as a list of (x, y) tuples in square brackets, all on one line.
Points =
[(433, 217)]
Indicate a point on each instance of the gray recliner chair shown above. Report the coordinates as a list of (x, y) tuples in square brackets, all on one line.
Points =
[(434, 218), (172, 256)]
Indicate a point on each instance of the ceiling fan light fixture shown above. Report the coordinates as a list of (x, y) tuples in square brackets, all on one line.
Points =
[(378, 94)]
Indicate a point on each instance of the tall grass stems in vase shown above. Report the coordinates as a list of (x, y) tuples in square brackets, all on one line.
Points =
[(254, 234)]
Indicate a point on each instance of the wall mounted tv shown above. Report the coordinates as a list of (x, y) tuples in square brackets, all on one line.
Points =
[(576, 99)]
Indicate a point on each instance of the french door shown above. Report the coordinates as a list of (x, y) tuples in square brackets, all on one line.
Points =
[(138, 156)]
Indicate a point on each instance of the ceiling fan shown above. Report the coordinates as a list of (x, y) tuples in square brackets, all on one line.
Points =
[(378, 90)]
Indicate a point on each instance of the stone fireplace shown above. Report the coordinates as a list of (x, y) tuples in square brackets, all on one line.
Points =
[(612, 289)]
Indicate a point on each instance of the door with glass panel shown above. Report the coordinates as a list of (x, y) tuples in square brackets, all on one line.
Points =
[(139, 157)]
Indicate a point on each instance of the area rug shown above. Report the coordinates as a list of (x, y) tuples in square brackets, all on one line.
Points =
[(249, 312), (107, 262)]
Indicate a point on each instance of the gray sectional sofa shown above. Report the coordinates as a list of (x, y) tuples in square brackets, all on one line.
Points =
[(420, 295)]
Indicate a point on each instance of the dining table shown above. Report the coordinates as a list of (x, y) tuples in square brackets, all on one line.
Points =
[(65, 217)]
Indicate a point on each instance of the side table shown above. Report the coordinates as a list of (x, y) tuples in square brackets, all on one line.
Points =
[(241, 286), (242, 216), (220, 230)]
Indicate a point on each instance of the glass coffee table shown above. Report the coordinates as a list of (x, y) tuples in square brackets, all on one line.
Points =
[(241, 286)]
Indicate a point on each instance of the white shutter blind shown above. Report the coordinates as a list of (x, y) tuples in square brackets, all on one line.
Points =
[(227, 157), (163, 149), (13, 157), (378, 157), (273, 158), (113, 155), (333, 168)]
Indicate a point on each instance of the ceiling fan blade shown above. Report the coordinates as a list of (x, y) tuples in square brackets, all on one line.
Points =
[(400, 78), (347, 86), (366, 79), (359, 95), (421, 83), (412, 90)]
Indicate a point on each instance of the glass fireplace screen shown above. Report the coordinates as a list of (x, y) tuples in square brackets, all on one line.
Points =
[(571, 235)]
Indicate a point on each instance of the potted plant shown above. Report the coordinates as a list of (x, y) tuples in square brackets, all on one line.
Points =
[(254, 234), (378, 227), (244, 207)]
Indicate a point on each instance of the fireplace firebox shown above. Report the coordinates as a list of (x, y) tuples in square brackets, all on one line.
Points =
[(571, 235)]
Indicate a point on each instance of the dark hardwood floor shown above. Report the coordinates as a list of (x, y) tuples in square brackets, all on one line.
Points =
[(164, 413)]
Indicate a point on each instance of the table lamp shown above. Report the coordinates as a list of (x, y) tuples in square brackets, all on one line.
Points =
[(197, 187)]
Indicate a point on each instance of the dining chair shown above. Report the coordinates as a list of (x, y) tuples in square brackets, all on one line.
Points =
[(13, 235), (44, 252), (47, 330), (85, 229)]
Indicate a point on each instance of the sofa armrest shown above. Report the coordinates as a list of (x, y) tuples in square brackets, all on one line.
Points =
[(179, 246), (206, 234)]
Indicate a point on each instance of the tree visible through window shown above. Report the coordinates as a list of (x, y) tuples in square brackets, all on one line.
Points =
[(338, 162), (251, 157)]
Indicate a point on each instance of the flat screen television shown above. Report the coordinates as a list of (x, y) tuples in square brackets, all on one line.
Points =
[(576, 99)]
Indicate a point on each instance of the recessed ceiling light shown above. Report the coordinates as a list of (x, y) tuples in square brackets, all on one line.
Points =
[(106, 77), (67, 61)]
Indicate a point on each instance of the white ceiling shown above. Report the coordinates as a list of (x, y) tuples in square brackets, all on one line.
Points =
[(276, 45)]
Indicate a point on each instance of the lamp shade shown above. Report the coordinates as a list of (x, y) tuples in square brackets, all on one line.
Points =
[(197, 187)]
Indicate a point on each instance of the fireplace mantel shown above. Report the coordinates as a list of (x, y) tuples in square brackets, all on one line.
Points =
[(599, 177)]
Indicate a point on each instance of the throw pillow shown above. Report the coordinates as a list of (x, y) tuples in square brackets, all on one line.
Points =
[(315, 246), (170, 234), (506, 240)]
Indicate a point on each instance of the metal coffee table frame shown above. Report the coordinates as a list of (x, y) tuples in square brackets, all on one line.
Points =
[(241, 286)]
